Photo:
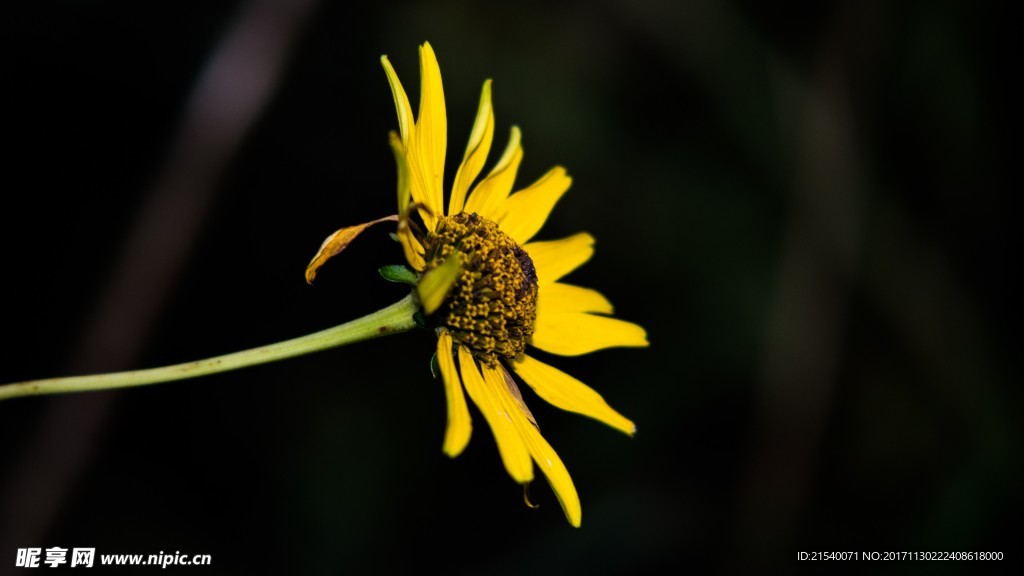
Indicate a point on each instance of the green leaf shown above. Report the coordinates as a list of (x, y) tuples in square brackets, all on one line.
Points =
[(399, 273)]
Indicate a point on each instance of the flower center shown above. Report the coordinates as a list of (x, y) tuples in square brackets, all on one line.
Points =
[(493, 303)]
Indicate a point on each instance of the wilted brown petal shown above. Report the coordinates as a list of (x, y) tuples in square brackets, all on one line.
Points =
[(337, 242)]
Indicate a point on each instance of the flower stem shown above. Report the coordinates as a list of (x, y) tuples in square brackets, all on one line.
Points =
[(395, 318)]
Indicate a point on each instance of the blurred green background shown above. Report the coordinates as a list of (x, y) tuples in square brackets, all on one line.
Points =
[(806, 204)]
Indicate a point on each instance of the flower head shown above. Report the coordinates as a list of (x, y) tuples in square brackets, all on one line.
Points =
[(488, 291)]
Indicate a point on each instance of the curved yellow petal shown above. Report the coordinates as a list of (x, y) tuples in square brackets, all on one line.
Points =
[(562, 390), (430, 139), (476, 151), (402, 107), (556, 258), (488, 198), (573, 333), (545, 457), (434, 286), (511, 446), (558, 297), (460, 426), (410, 245), (527, 210)]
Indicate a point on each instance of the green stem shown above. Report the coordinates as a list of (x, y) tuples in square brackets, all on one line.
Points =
[(395, 318)]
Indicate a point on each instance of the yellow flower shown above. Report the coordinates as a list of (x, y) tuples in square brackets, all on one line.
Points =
[(487, 290)]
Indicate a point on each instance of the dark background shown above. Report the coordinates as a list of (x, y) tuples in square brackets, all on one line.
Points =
[(807, 206)]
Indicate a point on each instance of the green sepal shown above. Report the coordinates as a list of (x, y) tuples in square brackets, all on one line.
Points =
[(399, 273), (419, 318)]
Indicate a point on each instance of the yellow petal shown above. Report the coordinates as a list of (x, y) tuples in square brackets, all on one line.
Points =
[(418, 183), (476, 151), (405, 121), (487, 398), (337, 242), (434, 286), (517, 396), (559, 297), (488, 198), (402, 163), (460, 427), (545, 457), (568, 393), (556, 258), (430, 137), (527, 210), (410, 245), (573, 333)]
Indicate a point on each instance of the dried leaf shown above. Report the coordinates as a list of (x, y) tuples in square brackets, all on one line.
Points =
[(337, 242)]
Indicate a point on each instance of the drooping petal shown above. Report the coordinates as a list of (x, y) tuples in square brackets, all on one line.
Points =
[(511, 445), (430, 137), (434, 286), (558, 297), (556, 258), (562, 390), (460, 426), (517, 396), (410, 245), (476, 151), (545, 457), (337, 242), (488, 198), (402, 107), (574, 333), (527, 210)]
